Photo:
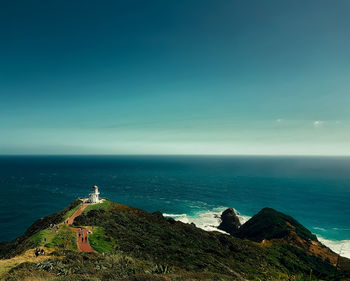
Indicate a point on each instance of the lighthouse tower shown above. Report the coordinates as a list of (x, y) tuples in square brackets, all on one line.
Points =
[(94, 195)]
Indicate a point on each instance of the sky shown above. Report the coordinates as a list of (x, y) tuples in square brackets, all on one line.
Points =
[(246, 77)]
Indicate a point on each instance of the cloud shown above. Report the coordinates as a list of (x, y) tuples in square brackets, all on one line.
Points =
[(318, 123)]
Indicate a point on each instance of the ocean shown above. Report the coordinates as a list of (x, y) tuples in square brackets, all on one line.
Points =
[(314, 190)]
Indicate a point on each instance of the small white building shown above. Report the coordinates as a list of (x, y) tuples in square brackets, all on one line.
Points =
[(93, 197)]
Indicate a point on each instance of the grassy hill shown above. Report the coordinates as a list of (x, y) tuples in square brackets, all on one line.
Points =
[(136, 245), (33, 236)]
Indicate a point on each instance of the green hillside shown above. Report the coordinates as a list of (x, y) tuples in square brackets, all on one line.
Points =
[(136, 245)]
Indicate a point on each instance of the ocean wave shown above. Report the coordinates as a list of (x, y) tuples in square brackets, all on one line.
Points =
[(243, 219), (336, 228), (207, 220), (319, 228), (341, 247), (179, 217)]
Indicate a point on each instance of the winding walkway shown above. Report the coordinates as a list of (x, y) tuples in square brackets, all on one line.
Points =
[(81, 233)]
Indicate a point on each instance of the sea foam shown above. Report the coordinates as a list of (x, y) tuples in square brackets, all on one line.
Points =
[(208, 220), (341, 247)]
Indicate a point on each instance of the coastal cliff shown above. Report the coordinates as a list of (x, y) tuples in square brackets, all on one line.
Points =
[(131, 244), (229, 221)]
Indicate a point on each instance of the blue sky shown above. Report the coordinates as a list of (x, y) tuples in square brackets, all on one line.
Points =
[(175, 77)]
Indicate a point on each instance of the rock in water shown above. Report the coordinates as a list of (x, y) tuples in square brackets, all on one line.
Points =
[(229, 221)]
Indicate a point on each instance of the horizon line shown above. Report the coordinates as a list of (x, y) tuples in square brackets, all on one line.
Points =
[(190, 155)]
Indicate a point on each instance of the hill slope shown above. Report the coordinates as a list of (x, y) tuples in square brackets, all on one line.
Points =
[(145, 245), (270, 224), (31, 238)]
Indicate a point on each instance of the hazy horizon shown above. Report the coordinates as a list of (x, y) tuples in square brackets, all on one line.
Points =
[(187, 155), (175, 78)]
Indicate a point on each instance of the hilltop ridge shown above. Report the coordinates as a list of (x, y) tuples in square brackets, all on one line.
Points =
[(133, 243)]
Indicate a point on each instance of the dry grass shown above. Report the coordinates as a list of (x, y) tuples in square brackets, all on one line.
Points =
[(28, 256), (29, 276)]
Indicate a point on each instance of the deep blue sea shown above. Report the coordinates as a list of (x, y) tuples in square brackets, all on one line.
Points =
[(314, 190)]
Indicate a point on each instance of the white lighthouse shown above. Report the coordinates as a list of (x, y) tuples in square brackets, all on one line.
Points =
[(93, 198)]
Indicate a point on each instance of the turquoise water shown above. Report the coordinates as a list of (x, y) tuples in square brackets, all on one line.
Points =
[(314, 190)]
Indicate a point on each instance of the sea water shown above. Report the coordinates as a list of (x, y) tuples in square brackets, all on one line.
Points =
[(314, 190)]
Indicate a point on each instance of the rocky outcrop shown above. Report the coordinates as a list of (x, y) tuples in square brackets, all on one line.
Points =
[(272, 227), (270, 224), (229, 221)]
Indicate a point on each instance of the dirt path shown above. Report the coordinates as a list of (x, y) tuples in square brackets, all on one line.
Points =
[(81, 233), (77, 213), (82, 240), (7, 264)]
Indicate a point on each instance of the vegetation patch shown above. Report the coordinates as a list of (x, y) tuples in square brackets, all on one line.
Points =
[(105, 205), (84, 266), (65, 239), (71, 212), (100, 241), (43, 238), (270, 224), (37, 238), (177, 245)]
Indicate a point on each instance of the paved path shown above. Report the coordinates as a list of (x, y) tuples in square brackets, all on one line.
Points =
[(81, 233), (82, 240), (77, 213)]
